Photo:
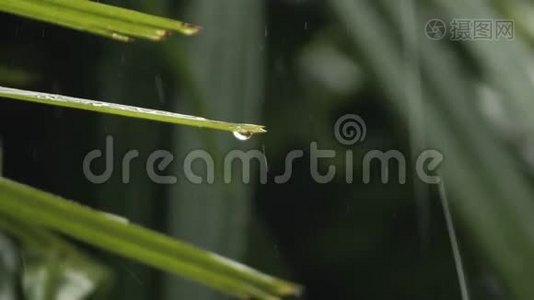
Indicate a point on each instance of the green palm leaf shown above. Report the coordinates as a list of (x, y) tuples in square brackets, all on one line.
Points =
[(97, 18), (118, 236), (128, 111)]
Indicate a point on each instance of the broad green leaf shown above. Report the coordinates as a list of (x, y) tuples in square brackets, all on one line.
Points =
[(216, 216), (23, 202)]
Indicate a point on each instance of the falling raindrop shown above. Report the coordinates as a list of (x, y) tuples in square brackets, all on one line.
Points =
[(242, 135), (159, 88)]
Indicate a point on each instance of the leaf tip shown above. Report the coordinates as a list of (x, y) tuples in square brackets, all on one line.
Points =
[(189, 29)]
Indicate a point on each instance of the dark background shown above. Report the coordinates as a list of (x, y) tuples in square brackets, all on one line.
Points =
[(290, 65)]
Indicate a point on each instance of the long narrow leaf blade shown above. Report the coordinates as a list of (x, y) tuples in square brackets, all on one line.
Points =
[(129, 240), (106, 20), (128, 111), (128, 15)]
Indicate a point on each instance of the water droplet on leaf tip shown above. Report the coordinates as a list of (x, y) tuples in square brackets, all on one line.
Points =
[(242, 135)]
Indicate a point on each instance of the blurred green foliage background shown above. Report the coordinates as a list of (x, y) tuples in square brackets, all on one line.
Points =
[(296, 66)]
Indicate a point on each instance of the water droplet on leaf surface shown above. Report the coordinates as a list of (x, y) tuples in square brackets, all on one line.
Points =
[(242, 135)]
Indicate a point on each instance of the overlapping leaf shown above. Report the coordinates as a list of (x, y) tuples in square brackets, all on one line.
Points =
[(97, 18), (24, 202)]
